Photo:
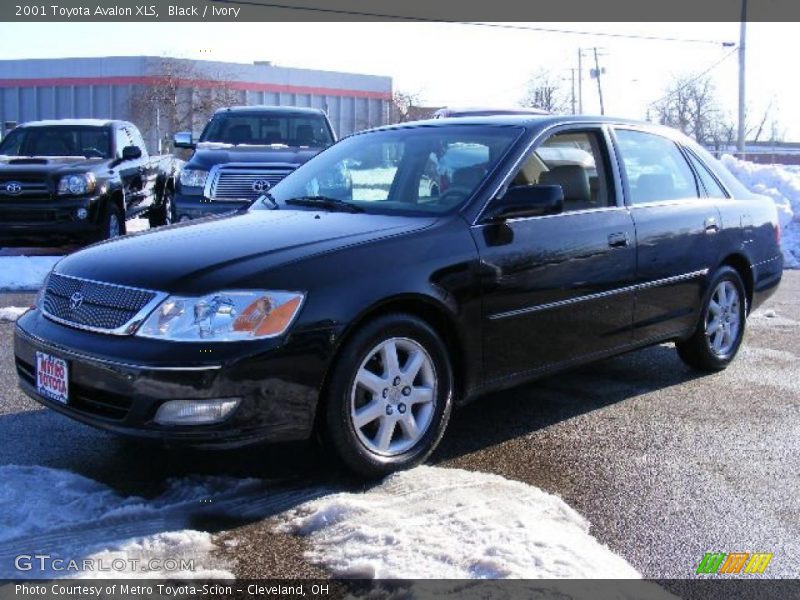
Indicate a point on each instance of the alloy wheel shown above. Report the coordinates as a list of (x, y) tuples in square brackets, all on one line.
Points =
[(723, 318), (393, 397)]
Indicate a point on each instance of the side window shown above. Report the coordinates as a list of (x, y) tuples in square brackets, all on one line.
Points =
[(575, 160), (656, 168), (712, 187), (123, 139)]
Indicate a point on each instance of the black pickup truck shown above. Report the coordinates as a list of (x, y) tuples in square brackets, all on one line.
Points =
[(79, 180), (242, 152)]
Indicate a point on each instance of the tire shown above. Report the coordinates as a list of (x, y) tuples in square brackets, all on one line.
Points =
[(164, 213), (713, 347), (113, 223), (409, 414)]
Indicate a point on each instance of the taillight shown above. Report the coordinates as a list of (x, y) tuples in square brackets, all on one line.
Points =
[(778, 233)]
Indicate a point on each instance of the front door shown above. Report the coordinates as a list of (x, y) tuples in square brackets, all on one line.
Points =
[(557, 288)]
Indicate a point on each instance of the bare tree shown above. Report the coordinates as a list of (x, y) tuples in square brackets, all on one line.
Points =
[(691, 104), (405, 106), (546, 91), (179, 97)]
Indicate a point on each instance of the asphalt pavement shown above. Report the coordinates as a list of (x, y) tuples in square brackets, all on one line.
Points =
[(665, 463)]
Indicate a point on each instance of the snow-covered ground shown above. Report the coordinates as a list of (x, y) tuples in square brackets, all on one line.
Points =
[(24, 272), (67, 516), (427, 523), (435, 523), (782, 184), (11, 313)]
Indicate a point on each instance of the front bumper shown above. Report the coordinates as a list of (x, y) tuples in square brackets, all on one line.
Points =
[(46, 221), (193, 206), (278, 386)]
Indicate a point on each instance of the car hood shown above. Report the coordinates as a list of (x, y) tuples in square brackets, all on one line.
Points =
[(227, 252), (47, 164), (207, 157)]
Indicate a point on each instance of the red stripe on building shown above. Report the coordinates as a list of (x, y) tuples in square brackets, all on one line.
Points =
[(250, 86)]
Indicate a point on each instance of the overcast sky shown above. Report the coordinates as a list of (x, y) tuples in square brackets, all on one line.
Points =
[(456, 64)]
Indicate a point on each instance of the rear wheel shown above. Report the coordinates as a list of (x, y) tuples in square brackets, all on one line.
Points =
[(390, 396), (720, 330)]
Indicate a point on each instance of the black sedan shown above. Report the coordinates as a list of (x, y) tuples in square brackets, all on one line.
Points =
[(364, 307)]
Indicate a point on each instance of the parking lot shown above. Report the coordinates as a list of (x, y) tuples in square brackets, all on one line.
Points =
[(664, 463)]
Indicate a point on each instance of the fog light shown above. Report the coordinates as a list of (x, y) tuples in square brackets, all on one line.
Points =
[(82, 213), (195, 412)]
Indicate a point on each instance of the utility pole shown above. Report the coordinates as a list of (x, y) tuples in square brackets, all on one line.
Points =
[(580, 81), (742, 35), (573, 90), (599, 85)]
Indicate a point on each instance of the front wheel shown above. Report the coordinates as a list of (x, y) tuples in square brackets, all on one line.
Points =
[(164, 214), (112, 224), (390, 396), (720, 330)]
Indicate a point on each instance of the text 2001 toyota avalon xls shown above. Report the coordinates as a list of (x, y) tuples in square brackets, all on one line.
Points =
[(401, 272)]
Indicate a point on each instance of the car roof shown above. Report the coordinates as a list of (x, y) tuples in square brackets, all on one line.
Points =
[(534, 122), (273, 109), (73, 123), (467, 111)]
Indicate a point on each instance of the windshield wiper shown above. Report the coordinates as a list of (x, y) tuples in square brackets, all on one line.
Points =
[(324, 202)]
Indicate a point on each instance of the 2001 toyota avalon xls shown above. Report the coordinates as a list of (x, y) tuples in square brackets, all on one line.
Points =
[(366, 306)]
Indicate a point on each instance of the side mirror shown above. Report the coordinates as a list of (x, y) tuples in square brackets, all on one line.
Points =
[(183, 139), (131, 153), (527, 201)]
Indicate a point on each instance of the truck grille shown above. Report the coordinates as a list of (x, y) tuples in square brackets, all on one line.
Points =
[(243, 183), (29, 185), (93, 305)]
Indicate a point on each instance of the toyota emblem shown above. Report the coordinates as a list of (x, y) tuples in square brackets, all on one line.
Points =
[(13, 188), (75, 301), (260, 186)]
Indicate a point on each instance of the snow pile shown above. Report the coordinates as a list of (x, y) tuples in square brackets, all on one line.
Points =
[(782, 184), (25, 272), (11, 313), (71, 517), (435, 523)]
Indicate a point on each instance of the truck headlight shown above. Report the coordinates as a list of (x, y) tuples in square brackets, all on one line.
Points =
[(193, 177), (223, 316), (77, 185)]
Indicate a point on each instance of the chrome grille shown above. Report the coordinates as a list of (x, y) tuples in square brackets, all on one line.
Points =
[(238, 183), (94, 305)]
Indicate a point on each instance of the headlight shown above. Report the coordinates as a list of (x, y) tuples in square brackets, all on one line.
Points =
[(193, 177), (223, 316), (77, 185)]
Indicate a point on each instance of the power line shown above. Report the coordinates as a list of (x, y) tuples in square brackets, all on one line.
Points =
[(394, 17), (695, 78)]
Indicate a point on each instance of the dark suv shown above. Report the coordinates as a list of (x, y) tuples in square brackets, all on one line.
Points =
[(242, 152)]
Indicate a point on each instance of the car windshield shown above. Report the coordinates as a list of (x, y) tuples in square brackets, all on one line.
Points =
[(417, 170), (264, 129), (58, 140)]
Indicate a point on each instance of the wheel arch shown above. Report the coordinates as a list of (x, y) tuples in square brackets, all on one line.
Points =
[(742, 265), (430, 310)]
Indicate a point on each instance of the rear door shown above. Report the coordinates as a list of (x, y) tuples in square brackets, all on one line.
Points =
[(557, 288), (677, 232)]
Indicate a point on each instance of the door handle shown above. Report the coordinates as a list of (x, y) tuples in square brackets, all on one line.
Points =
[(618, 240), (711, 225)]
